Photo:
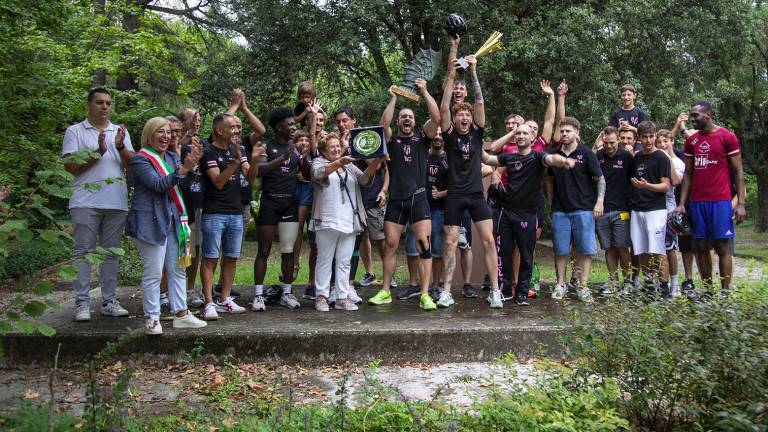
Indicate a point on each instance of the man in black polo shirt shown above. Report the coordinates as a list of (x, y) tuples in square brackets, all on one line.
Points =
[(407, 193), (576, 201), (520, 196), (616, 163)]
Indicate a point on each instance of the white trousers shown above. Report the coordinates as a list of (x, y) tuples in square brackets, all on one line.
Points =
[(333, 244)]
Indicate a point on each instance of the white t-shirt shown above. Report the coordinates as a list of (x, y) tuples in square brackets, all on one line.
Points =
[(336, 211), (83, 136), (679, 167)]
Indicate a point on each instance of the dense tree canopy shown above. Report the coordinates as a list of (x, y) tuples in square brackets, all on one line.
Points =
[(159, 55)]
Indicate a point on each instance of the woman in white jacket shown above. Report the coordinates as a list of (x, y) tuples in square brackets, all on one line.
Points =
[(338, 215)]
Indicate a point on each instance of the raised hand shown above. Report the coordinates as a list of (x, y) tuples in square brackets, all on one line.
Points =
[(194, 155), (546, 88), (102, 142), (562, 89), (120, 136), (420, 83), (259, 150), (472, 60), (236, 98)]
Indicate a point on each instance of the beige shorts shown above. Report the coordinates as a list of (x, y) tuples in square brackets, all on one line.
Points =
[(375, 223)]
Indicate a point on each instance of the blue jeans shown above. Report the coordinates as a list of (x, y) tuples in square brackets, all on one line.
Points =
[(436, 241), (577, 227), (222, 233)]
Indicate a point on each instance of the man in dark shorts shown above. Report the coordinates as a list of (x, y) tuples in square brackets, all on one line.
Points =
[(520, 196), (712, 161), (612, 227), (408, 201), (279, 207), (463, 137)]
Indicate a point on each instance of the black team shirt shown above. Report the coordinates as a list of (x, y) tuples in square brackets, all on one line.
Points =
[(651, 167), (574, 189), (281, 181), (633, 117), (407, 164), (227, 199), (524, 176), (437, 177), (618, 171), (465, 154)]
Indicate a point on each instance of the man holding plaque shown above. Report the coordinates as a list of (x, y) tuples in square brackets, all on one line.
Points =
[(408, 153), (463, 138)]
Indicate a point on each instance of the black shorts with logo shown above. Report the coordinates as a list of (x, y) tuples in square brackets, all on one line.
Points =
[(413, 209), (475, 203), (278, 208)]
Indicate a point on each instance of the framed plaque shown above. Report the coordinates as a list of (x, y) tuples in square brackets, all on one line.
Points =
[(367, 142)]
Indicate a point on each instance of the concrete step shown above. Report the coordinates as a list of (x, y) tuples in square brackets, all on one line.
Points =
[(468, 331)]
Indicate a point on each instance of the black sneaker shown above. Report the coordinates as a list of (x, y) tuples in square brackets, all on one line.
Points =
[(469, 291), (272, 294), (309, 292), (688, 285), (666, 293), (522, 300), (367, 280), (486, 283), (232, 293), (409, 292), (434, 292)]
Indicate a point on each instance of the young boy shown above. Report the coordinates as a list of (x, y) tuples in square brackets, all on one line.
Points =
[(648, 223), (306, 93), (665, 142)]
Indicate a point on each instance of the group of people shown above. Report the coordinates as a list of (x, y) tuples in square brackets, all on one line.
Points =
[(191, 201)]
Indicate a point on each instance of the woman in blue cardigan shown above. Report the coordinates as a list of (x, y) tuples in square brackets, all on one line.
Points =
[(158, 224)]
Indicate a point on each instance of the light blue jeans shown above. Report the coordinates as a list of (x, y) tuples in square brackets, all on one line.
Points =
[(153, 259)]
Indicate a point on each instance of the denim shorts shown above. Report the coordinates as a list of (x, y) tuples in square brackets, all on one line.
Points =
[(222, 233), (305, 193), (436, 241), (577, 227)]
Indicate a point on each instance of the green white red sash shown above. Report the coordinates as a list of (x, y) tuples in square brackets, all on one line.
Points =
[(185, 258)]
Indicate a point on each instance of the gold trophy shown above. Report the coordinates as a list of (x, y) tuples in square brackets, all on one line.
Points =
[(491, 45), (424, 66)]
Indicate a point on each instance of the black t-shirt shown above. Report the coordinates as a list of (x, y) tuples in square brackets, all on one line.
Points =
[(437, 177), (226, 200), (298, 109), (617, 171), (192, 192), (523, 181), (465, 154), (246, 190), (282, 180), (574, 189), (633, 117), (407, 164), (651, 167), (370, 192)]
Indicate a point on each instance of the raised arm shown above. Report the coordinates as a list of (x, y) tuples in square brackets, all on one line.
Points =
[(386, 116), (562, 90), (479, 107), (497, 145), (257, 127), (430, 127), (490, 159), (234, 101), (549, 114), (445, 103)]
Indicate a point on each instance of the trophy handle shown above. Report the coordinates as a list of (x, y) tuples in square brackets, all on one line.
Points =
[(405, 93)]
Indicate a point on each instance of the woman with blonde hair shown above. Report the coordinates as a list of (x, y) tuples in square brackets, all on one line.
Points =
[(158, 224), (338, 215)]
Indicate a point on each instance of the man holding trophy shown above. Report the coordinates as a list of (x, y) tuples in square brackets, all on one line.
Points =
[(408, 154)]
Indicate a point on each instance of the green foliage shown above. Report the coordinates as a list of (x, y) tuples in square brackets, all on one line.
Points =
[(681, 365), (29, 257), (130, 269)]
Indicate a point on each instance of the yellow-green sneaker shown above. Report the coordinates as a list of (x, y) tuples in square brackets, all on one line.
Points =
[(381, 297), (426, 303)]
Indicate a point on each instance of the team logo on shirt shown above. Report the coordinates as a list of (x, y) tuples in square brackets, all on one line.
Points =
[(518, 165), (407, 153), (640, 171), (465, 150), (701, 160), (620, 162), (524, 224), (433, 170), (634, 120), (704, 147)]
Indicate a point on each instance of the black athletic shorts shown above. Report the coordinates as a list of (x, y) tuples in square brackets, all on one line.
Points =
[(278, 208), (475, 203), (413, 209)]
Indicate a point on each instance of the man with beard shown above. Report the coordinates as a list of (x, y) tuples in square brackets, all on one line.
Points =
[(408, 200)]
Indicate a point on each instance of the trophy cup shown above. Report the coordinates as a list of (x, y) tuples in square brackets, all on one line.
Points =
[(367, 142), (491, 45), (422, 66)]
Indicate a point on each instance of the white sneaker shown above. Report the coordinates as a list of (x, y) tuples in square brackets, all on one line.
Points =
[(321, 304), (153, 326), (188, 321), (445, 300), (495, 299), (229, 306), (608, 288), (393, 283), (259, 304), (113, 308), (345, 304), (353, 296), (289, 300), (83, 312), (209, 312), (559, 292), (585, 295)]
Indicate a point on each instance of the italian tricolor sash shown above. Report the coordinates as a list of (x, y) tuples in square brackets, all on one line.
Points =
[(185, 258)]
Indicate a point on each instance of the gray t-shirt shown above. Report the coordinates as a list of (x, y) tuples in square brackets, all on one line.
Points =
[(83, 136)]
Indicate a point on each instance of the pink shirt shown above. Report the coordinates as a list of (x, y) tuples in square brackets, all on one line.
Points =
[(711, 174)]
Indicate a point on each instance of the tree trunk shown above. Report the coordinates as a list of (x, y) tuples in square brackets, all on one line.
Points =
[(761, 218), (127, 81)]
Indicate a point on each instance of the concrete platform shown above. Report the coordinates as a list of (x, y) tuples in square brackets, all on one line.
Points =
[(468, 331)]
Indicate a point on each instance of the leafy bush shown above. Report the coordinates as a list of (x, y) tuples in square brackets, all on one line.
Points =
[(681, 365), (130, 269), (25, 258)]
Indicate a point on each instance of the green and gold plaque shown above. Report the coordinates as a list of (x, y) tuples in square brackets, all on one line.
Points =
[(367, 142)]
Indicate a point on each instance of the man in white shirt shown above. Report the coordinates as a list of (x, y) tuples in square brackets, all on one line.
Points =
[(99, 203)]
